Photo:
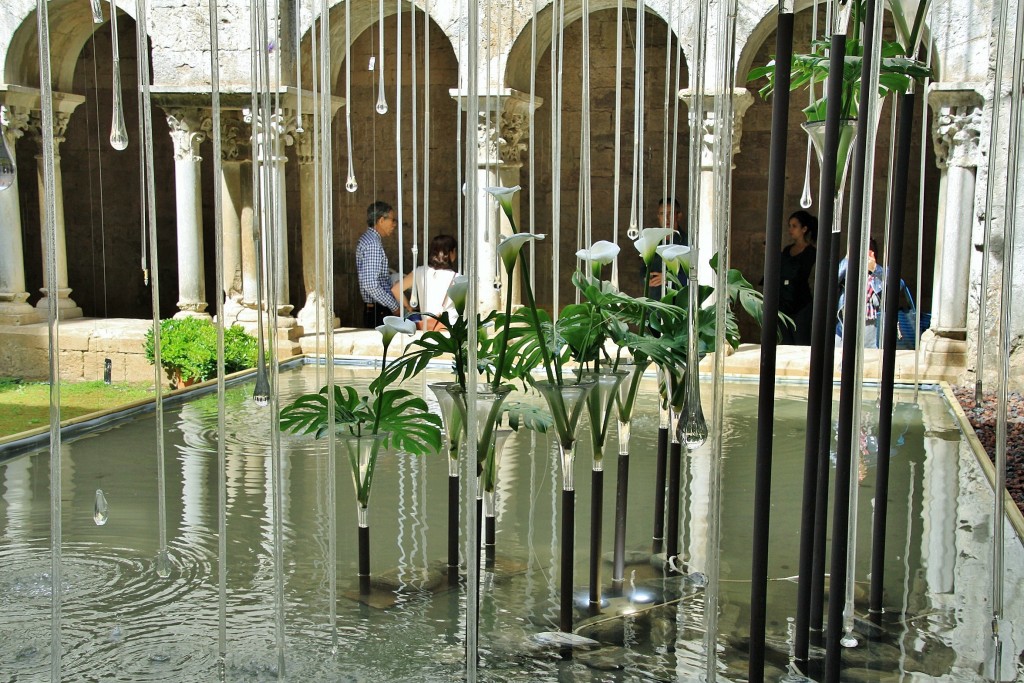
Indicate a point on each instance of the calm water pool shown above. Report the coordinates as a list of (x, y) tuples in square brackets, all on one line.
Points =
[(123, 622)]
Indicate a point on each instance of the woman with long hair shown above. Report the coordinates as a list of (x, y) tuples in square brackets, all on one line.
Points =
[(428, 285)]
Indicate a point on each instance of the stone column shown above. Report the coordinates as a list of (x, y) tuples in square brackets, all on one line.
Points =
[(501, 140), (742, 99), (66, 307), (14, 306), (313, 315), (955, 133), (234, 149), (189, 128)]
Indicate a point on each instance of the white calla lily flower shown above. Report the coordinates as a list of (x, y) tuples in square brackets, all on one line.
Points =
[(457, 292), (504, 196), (649, 240), (510, 247), (394, 325), (674, 256), (601, 252)]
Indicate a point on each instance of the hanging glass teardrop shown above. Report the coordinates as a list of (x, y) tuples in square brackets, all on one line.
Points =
[(97, 11), (163, 564), (382, 103), (8, 170), (805, 197), (100, 510), (692, 429), (118, 133), (351, 185)]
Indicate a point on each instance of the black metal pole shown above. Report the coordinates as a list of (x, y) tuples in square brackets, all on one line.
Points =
[(824, 460), (855, 288), (619, 551), (891, 294), (453, 530), (568, 534), (364, 559), (489, 540), (596, 505), (821, 337), (675, 458), (769, 329), (658, 540)]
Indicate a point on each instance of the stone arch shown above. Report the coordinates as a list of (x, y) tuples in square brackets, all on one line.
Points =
[(659, 43), (375, 156), (71, 26), (519, 56)]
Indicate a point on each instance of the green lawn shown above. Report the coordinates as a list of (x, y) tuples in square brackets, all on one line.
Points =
[(26, 405)]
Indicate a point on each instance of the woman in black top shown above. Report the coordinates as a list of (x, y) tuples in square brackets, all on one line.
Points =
[(795, 277)]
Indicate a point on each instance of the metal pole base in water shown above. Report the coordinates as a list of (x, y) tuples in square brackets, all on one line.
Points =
[(568, 526), (672, 526), (596, 504), (659, 492), (453, 531), (364, 560), (619, 552)]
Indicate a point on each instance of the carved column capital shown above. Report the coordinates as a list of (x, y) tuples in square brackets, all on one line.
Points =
[(503, 125), (741, 101), (304, 144), (60, 128), (15, 120), (956, 135), (235, 142), (956, 129), (189, 128)]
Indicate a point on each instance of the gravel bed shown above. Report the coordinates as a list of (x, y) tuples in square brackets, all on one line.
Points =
[(983, 419)]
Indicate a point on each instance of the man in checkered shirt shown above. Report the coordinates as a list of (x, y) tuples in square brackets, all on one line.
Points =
[(372, 265)]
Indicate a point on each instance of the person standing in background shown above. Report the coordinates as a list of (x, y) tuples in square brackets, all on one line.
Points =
[(795, 272), (372, 265)]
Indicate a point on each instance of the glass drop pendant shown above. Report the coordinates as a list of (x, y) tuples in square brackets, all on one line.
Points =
[(163, 564), (118, 132), (382, 103), (101, 510), (805, 197), (692, 429), (351, 185), (97, 11), (8, 170)]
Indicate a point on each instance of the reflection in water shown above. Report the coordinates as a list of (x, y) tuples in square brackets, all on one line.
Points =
[(122, 622)]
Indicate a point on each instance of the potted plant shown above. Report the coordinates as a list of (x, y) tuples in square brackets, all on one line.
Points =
[(188, 350)]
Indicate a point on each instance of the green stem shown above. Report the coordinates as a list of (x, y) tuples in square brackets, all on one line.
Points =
[(531, 303), (379, 401), (504, 342)]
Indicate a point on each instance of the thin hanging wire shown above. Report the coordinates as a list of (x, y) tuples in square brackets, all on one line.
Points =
[(923, 146), (50, 235), (665, 155), (633, 232), (326, 208), (617, 156), (472, 305), (585, 169), (806, 200), (382, 103), (218, 203), (351, 185), (1005, 337), (100, 200), (399, 199), (722, 177), (118, 134), (297, 57), (460, 188), (148, 191), (557, 58), (426, 129), (531, 126), (415, 150), (986, 253)]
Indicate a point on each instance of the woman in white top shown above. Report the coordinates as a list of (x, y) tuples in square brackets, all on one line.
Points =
[(429, 284)]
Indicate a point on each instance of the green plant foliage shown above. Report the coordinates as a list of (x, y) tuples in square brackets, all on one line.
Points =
[(188, 346), (407, 419), (897, 66)]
